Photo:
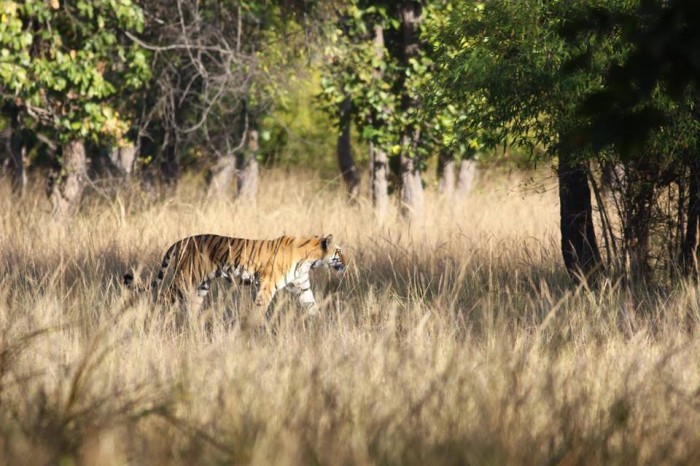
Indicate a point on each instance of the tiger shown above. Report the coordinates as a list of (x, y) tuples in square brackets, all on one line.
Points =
[(267, 265)]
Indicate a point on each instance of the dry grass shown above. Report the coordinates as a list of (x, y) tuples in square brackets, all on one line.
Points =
[(457, 341)]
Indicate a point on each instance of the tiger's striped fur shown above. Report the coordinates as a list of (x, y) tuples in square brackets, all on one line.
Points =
[(268, 265)]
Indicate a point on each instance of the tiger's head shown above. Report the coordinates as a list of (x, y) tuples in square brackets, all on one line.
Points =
[(332, 255)]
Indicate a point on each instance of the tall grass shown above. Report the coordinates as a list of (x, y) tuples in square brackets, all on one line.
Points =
[(458, 340)]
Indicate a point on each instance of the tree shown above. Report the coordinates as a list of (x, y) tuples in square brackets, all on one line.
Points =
[(644, 118), (377, 61), (344, 149), (62, 66), (411, 14), (359, 70), (16, 148), (379, 160), (504, 60), (219, 69)]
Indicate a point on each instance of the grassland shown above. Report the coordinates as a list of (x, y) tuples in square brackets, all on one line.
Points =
[(458, 340)]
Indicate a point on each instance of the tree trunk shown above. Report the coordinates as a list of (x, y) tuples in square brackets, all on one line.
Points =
[(345, 160), (689, 248), (221, 176), (411, 188), (446, 175), (17, 151), (170, 167), (123, 159), (378, 158), (379, 171), (637, 225), (578, 241), (247, 167), (67, 190), (411, 184), (468, 175)]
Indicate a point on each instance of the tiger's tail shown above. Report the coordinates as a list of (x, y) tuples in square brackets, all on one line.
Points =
[(172, 250)]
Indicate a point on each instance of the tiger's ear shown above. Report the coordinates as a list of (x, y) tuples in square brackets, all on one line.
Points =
[(326, 242)]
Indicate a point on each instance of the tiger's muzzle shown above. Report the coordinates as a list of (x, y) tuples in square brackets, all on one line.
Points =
[(338, 266), (337, 262)]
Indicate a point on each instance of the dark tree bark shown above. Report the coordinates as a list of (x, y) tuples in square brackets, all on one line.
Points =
[(17, 151), (446, 175), (411, 184), (351, 177), (689, 247), (67, 189), (170, 166), (578, 241), (637, 225)]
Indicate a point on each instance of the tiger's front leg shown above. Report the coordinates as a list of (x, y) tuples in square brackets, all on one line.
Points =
[(302, 288), (308, 302), (264, 291)]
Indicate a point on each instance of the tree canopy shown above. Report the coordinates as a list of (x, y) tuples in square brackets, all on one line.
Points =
[(65, 63)]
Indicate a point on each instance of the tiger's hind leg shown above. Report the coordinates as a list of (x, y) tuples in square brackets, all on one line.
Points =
[(197, 309)]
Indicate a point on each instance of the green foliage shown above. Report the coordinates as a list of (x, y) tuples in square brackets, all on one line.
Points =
[(65, 63), (452, 124), (650, 94), (297, 132), (502, 61), (532, 73), (359, 70), (377, 81), (236, 70)]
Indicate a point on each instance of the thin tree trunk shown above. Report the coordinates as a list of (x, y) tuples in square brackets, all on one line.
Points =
[(379, 170), (221, 176), (637, 226), (412, 202), (67, 190), (378, 158), (578, 241), (446, 175), (411, 184), (170, 167), (123, 159), (247, 167), (467, 177), (689, 248), (345, 160), (17, 151)]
